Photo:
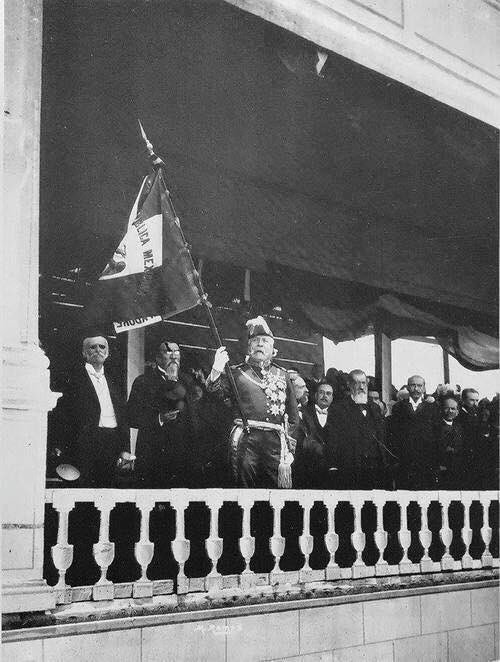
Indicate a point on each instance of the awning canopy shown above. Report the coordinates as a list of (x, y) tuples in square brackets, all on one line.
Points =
[(344, 176)]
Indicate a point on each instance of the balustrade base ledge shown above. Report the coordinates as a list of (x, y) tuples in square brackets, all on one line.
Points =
[(89, 616)]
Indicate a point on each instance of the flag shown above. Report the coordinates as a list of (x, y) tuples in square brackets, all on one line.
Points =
[(151, 275)]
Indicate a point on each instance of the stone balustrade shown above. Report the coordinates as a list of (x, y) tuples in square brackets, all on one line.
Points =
[(266, 538)]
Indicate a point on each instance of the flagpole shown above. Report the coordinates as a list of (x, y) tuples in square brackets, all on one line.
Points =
[(158, 163)]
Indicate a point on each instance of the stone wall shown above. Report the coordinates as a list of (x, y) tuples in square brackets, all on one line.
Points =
[(449, 626)]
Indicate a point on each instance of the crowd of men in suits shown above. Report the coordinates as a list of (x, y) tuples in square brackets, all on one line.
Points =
[(350, 439), (327, 431)]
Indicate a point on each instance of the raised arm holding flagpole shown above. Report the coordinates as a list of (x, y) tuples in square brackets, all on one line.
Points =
[(151, 275)]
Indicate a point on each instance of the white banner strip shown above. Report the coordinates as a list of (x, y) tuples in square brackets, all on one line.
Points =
[(137, 323)]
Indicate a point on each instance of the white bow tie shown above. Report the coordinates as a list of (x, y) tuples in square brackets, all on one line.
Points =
[(97, 375), (322, 411)]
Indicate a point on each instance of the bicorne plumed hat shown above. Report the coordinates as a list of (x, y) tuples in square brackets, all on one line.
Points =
[(258, 327)]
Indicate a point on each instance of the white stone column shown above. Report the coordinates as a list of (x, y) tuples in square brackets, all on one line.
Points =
[(26, 396)]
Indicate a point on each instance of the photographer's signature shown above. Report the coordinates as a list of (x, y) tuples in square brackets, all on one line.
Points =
[(216, 629)]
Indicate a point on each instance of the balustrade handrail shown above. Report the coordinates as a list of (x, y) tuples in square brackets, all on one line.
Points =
[(351, 520)]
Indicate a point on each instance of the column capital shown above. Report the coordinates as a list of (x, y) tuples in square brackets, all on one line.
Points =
[(26, 382)]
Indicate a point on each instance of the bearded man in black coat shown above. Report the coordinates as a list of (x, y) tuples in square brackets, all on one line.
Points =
[(159, 407), (356, 453)]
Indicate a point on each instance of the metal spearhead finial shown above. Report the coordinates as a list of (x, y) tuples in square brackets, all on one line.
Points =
[(157, 161)]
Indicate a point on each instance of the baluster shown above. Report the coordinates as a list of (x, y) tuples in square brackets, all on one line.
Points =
[(214, 544), (445, 533), (144, 548), (276, 542), (358, 537), (246, 542), (332, 540), (425, 534), (181, 547), (62, 552), (380, 536), (104, 550), (467, 560), (404, 534), (306, 541), (486, 533)]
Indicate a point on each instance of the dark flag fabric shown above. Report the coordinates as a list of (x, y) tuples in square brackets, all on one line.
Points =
[(151, 275)]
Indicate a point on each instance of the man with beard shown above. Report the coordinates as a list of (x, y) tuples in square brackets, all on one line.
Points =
[(262, 452), (310, 467), (90, 418), (159, 407), (355, 440), (411, 431)]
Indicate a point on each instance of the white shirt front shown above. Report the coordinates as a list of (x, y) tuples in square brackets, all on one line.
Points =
[(415, 404), (322, 415), (98, 379)]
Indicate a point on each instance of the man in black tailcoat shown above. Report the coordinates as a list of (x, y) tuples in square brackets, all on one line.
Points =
[(475, 437), (90, 418), (310, 465), (159, 407), (450, 447), (411, 429), (356, 453)]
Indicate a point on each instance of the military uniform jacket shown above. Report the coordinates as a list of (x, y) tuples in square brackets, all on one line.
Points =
[(266, 395)]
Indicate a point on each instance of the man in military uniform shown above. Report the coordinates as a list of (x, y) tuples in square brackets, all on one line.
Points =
[(261, 448)]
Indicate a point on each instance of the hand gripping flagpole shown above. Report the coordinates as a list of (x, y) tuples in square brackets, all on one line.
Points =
[(158, 163)]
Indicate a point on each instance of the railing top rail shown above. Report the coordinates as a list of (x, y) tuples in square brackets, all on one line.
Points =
[(85, 495)]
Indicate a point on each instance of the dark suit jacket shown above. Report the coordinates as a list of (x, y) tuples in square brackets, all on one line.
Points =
[(163, 451), (411, 436), (310, 467), (450, 449), (76, 417), (355, 445)]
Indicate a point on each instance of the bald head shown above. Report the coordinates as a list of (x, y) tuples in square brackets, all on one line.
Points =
[(356, 376), (300, 389), (95, 350)]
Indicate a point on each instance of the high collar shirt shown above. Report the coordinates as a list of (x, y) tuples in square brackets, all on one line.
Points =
[(107, 418), (322, 415), (417, 403)]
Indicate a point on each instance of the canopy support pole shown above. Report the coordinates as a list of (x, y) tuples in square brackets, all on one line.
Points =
[(383, 364), (446, 367)]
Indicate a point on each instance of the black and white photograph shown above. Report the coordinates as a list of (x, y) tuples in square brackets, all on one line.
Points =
[(250, 331)]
